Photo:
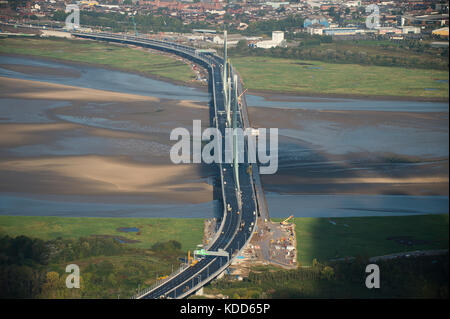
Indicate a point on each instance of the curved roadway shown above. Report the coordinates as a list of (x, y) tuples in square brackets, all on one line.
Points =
[(239, 220)]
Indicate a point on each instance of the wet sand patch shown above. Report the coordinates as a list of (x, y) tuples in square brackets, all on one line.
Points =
[(99, 143), (86, 175), (50, 91), (41, 70), (360, 152), (23, 134)]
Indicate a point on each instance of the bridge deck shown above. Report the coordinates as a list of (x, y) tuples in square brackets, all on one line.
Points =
[(231, 236)]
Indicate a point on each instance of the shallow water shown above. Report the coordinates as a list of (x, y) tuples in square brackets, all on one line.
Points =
[(79, 206), (411, 141), (87, 145), (129, 229), (27, 111), (354, 205), (338, 104), (297, 205), (316, 135), (103, 79)]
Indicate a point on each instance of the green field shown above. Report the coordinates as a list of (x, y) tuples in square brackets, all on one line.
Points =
[(316, 77), (316, 237), (112, 55), (259, 73), (367, 236), (120, 270), (413, 277), (108, 269), (189, 231)]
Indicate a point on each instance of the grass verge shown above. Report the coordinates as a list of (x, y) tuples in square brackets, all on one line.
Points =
[(321, 78), (111, 55)]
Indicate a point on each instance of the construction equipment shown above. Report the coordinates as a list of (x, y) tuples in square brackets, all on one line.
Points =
[(191, 260), (239, 97), (285, 222)]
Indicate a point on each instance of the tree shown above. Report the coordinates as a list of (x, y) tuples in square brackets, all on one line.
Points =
[(52, 279), (327, 273), (14, 4), (315, 263), (241, 45)]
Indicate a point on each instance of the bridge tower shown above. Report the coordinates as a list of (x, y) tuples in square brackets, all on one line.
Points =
[(225, 67), (235, 137), (228, 105)]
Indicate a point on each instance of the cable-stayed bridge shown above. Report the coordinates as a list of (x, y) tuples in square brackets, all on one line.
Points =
[(242, 194)]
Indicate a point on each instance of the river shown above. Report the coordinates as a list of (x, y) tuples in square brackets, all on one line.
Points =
[(305, 205)]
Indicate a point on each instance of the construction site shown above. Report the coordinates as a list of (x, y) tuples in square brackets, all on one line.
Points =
[(272, 243)]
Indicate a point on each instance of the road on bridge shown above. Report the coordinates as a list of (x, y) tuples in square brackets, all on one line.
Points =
[(242, 203)]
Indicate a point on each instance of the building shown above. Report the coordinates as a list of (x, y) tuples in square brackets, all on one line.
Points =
[(276, 5), (277, 40), (389, 30), (342, 31), (442, 32), (410, 30), (315, 29), (315, 20)]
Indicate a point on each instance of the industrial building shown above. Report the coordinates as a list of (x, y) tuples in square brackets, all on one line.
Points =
[(277, 40)]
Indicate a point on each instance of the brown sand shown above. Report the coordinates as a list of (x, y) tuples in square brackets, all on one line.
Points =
[(21, 134), (88, 175), (158, 178), (355, 173), (163, 181), (27, 89)]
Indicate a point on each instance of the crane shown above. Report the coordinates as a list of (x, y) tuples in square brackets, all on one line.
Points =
[(284, 222), (191, 260), (239, 97)]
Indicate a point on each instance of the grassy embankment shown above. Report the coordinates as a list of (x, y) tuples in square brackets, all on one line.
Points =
[(108, 269), (111, 55), (417, 277), (259, 73), (321, 78), (119, 274), (368, 236), (362, 237), (316, 237), (189, 231)]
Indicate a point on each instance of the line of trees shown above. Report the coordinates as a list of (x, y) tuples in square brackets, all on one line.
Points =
[(33, 268), (120, 23), (418, 277)]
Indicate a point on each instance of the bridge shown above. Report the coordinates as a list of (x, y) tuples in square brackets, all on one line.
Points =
[(242, 194)]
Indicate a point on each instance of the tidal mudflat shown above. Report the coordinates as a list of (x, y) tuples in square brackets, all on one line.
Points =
[(95, 142), (82, 145)]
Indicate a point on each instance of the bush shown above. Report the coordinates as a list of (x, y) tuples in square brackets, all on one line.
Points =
[(171, 245), (327, 273)]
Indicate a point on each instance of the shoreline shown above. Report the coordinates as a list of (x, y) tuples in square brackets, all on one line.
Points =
[(266, 94), (197, 85)]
